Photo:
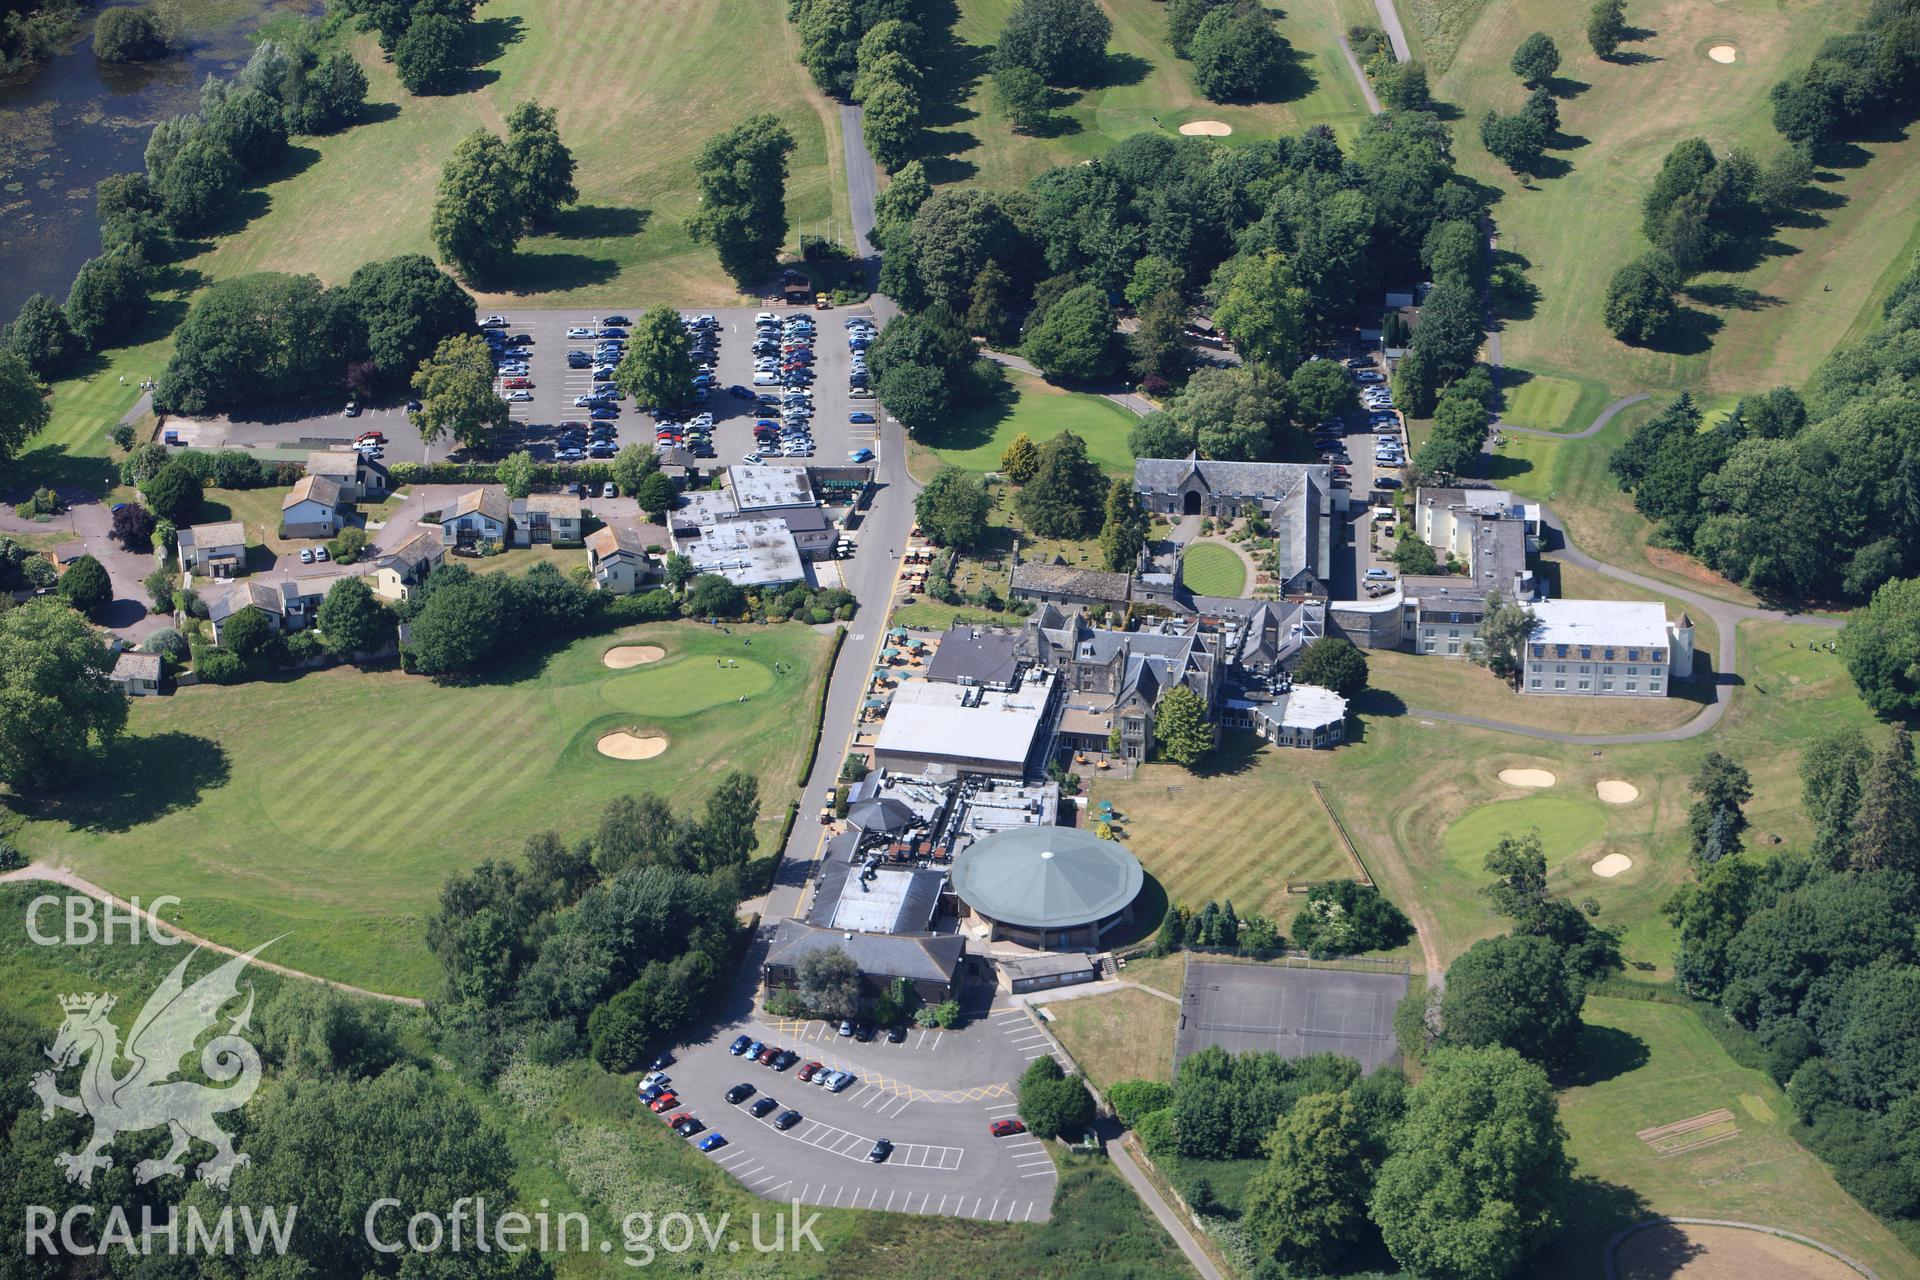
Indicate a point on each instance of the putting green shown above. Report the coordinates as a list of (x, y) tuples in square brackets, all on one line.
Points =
[(1566, 826), (1541, 402), (680, 688)]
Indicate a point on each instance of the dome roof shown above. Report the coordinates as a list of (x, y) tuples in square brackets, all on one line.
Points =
[(1046, 877)]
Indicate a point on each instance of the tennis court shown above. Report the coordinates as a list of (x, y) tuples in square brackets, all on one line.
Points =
[(1290, 1011)]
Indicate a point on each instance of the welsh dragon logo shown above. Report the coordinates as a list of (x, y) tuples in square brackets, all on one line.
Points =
[(147, 1095)]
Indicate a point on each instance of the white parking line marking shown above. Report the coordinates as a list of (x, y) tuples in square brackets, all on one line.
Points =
[(1030, 1204), (1041, 1174), (890, 1196)]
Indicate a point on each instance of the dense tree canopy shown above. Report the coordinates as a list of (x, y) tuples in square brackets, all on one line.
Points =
[(133, 33), (1074, 339), (541, 163), (457, 399), (742, 175), (1064, 41), (1066, 496), (952, 508), (408, 307), (57, 707), (254, 339), (1238, 54), (657, 369), (1333, 662), (477, 214), (1473, 1184), (1513, 991)]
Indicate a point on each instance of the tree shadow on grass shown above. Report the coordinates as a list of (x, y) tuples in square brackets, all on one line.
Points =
[(488, 38), (1605, 1053), (1236, 753), (1149, 909), (1119, 70), (141, 779), (1595, 1211), (1731, 297), (1507, 466), (1563, 88), (598, 222), (1690, 333), (542, 272)]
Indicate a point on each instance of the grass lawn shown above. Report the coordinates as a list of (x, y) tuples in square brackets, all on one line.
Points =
[(1124, 1035), (974, 441), (1761, 321), (330, 807), (1211, 569), (637, 99), (1264, 828), (930, 615), (1649, 1064), (1145, 88)]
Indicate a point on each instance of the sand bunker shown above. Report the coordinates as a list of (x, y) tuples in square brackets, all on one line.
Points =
[(1206, 128), (622, 745), (622, 656), (1612, 865), (1527, 777), (1723, 53), (1614, 791)]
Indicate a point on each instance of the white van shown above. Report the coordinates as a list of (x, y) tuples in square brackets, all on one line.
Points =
[(766, 378)]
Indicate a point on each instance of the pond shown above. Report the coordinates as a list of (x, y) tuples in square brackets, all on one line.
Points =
[(70, 121)]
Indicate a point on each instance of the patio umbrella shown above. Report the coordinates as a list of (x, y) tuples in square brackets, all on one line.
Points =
[(899, 631), (889, 653), (881, 815)]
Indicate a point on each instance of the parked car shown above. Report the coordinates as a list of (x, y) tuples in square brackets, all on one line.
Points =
[(371, 437), (665, 1102), (896, 1034), (688, 1126), (861, 417), (860, 455), (306, 555), (739, 1093), (787, 1119), (881, 1150), (352, 409), (805, 1074), (661, 1061), (784, 1059), (579, 331), (759, 1109), (494, 322), (615, 320), (712, 1142), (840, 1080), (1006, 1128), (1377, 574), (769, 1053)]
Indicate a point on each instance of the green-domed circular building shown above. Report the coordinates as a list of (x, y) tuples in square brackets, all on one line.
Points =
[(1048, 887)]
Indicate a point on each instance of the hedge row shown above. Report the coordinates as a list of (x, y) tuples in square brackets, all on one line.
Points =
[(820, 707)]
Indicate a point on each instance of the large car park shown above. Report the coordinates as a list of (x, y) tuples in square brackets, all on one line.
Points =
[(770, 385), (919, 1123)]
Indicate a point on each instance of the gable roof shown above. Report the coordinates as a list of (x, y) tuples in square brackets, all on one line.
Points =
[(323, 489), (1060, 579), (419, 548), (933, 958), (563, 505), (617, 539), (221, 533), (489, 502)]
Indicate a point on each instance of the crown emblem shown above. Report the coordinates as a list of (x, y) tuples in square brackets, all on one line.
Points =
[(87, 1002)]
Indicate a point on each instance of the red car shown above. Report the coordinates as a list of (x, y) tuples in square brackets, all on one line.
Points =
[(1006, 1128), (516, 384), (682, 1118), (665, 1102), (768, 1054), (806, 1072), (371, 437)]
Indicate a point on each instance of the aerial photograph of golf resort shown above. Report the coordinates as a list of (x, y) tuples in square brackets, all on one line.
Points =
[(1256, 639)]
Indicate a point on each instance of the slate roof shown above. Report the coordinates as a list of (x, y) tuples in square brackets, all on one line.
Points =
[(223, 533), (419, 548), (976, 655), (931, 957), (491, 503), (136, 666), (1046, 877), (1065, 580), (310, 488)]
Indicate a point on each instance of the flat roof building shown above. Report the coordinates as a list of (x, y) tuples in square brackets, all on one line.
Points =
[(943, 730), (749, 553), (1605, 648)]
